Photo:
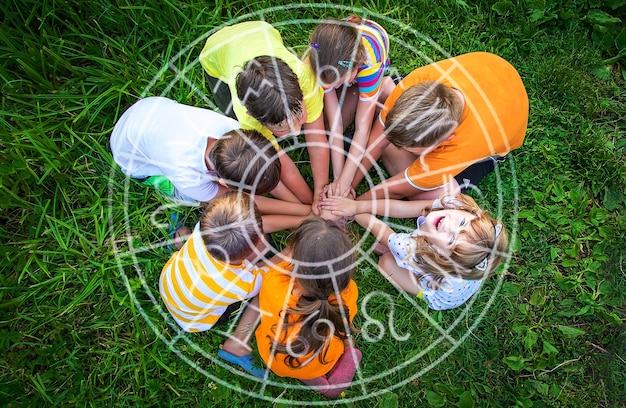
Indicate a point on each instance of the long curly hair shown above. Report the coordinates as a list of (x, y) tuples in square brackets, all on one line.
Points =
[(475, 257), (323, 264)]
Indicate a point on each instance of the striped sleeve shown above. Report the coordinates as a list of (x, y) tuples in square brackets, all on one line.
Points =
[(370, 75), (196, 288)]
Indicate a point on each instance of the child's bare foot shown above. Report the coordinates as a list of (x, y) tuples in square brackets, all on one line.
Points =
[(180, 236), (236, 347)]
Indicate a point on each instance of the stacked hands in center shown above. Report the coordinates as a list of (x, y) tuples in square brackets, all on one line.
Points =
[(438, 131)]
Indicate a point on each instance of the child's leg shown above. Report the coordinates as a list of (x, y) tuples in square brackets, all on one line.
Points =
[(238, 343), (236, 349), (319, 384), (472, 175), (399, 277), (343, 373), (221, 94), (397, 160)]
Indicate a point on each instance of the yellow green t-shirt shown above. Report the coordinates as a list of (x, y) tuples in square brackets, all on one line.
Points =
[(227, 51)]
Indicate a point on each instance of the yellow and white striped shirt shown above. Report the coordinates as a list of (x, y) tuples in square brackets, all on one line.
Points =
[(197, 288)]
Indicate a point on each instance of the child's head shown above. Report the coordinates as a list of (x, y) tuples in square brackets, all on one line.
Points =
[(424, 115), (231, 226), (321, 250), (323, 264), (460, 240), (271, 93), (246, 159), (336, 51)]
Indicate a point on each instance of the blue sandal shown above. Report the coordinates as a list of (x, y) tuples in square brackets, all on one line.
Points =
[(172, 228), (246, 362)]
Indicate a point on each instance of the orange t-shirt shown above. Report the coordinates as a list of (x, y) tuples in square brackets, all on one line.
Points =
[(494, 118), (276, 296)]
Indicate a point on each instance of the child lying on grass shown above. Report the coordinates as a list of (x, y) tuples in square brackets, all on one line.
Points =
[(444, 261)]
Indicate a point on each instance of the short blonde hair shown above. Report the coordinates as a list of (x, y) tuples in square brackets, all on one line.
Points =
[(475, 257), (424, 115), (231, 226)]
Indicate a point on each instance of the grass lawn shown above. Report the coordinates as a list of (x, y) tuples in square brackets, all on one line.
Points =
[(81, 321)]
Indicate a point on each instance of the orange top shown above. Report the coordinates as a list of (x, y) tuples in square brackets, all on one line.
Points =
[(494, 118), (275, 297)]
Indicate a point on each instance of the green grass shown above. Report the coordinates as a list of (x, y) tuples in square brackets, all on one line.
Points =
[(81, 322)]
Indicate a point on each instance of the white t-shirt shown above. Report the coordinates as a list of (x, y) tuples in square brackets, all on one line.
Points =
[(161, 137)]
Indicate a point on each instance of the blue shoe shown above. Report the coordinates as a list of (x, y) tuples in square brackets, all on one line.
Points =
[(246, 362), (172, 228)]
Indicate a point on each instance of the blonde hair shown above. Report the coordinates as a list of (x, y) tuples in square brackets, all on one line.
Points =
[(231, 226), (424, 115), (335, 48), (475, 257)]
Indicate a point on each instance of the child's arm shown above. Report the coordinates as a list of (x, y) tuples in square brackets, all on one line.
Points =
[(344, 206), (398, 276), (280, 215), (376, 144), (317, 145), (398, 187), (283, 193), (269, 206), (293, 180), (362, 125), (378, 228), (273, 223), (335, 122)]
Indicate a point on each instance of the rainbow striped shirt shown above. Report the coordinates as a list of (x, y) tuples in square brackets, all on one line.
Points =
[(370, 74)]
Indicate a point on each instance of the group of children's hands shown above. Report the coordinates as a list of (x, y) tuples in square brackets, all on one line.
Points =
[(335, 203)]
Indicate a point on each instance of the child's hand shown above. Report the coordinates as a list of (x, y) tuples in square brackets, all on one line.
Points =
[(334, 190), (340, 206), (329, 216)]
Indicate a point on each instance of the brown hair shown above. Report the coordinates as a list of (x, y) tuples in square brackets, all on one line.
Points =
[(480, 244), (269, 90), (424, 115), (334, 41), (323, 264), (231, 226), (246, 159)]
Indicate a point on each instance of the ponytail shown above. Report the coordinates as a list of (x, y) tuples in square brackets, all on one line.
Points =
[(322, 272)]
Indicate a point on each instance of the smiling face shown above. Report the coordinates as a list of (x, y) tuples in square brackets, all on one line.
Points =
[(444, 229)]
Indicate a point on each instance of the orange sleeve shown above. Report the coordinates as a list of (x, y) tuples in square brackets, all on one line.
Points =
[(494, 119)]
